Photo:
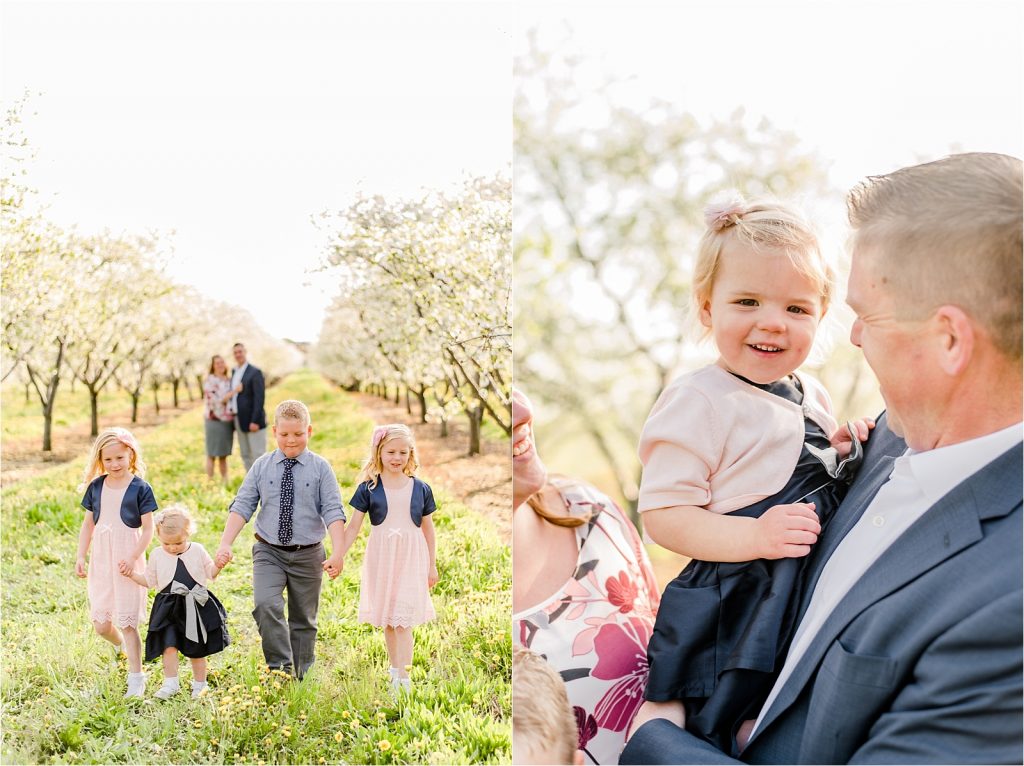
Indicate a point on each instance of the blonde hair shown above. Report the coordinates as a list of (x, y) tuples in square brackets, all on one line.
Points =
[(292, 409), (373, 466), (94, 465), (949, 232), (176, 517), (541, 712), (536, 502), (760, 224)]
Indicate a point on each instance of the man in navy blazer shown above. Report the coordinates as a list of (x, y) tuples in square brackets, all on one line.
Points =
[(909, 647), (250, 416)]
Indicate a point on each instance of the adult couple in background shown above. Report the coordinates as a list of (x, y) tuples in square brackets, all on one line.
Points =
[(234, 405), (903, 641)]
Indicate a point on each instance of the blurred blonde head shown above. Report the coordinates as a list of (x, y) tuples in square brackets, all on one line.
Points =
[(110, 437), (176, 519), (948, 233), (761, 225), (543, 724), (292, 409), (373, 467)]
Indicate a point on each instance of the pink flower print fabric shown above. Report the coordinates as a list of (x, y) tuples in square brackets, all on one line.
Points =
[(594, 630)]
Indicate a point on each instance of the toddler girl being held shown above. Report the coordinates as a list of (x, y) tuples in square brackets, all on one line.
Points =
[(399, 566), (743, 463), (118, 526), (185, 617)]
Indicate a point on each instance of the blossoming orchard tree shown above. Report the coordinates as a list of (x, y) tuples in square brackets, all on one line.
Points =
[(424, 300), (609, 196)]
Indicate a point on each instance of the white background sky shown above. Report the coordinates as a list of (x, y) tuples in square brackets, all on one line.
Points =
[(870, 85), (232, 123)]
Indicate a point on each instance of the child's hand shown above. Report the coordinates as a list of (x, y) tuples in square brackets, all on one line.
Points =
[(432, 577), (787, 531), (80, 568), (334, 565), (124, 568), (841, 439), (223, 557)]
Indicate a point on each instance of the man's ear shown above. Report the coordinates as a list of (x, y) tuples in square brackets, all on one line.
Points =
[(955, 334)]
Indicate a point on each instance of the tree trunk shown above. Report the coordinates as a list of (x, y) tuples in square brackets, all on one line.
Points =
[(156, 397), (188, 388), (48, 428), (421, 395), (28, 393), (476, 416), (408, 401), (444, 426), (135, 407), (94, 407), (174, 388)]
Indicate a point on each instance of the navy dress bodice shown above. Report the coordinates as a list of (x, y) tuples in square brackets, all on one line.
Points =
[(723, 629), (167, 621)]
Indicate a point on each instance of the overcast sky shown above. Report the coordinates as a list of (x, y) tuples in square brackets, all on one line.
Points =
[(231, 123)]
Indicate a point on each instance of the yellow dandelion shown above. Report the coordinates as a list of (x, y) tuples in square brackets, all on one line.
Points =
[(338, 736), (277, 684), (254, 688), (345, 714), (321, 761), (302, 716), (353, 724), (213, 741), (408, 668), (383, 745)]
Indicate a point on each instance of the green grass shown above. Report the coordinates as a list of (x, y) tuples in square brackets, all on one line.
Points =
[(62, 688)]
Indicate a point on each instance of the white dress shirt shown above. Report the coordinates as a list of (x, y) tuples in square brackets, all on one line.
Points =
[(236, 378), (918, 481)]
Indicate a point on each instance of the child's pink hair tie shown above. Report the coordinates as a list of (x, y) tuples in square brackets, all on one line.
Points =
[(719, 215), (378, 435), (127, 440)]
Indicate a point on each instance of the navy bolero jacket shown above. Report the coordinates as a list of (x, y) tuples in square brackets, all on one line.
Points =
[(138, 499), (375, 503)]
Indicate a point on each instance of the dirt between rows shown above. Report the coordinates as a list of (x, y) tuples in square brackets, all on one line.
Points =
[(482, 482)]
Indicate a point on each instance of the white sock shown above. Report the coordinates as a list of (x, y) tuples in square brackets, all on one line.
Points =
[(393, 672), (136, 683), (171, 682), (198, 686)]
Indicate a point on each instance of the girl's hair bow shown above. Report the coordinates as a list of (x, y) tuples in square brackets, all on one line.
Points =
[(719, 215), (378, 435)]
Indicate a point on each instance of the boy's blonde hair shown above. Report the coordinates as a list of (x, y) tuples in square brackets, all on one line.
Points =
[(767, 224), (176, 517), (292, 409), (541, 714), (950, 232), (373, 466), (94, 464)]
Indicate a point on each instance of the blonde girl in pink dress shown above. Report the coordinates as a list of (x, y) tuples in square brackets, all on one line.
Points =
[(399, 567), (118, 526)]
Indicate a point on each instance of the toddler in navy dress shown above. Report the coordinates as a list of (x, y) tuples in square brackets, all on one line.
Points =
[(743, 464), (185, 617)]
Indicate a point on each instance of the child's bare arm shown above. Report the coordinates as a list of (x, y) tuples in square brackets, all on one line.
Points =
[(84, 538), (352, 530), (428, 534), (138, 577), (783, 531)]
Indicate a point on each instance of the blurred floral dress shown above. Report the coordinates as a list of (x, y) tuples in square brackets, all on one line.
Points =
[(594, 630)]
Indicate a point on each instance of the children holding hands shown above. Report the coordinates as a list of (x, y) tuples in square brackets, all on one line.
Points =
[(299, 500), (400, 565), (185, 617), (118, 526)]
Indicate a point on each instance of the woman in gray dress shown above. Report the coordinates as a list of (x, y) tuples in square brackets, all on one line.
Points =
[(218, 418)]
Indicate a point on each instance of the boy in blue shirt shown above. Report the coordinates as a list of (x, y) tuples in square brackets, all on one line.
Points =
[(299, 499)]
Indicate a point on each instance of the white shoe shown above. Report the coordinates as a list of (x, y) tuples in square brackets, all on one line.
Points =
[(198, 687), (136, 685), (167, 691)]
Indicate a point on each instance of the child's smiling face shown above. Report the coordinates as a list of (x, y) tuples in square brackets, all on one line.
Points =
[(292, 436), (116, 459), (173, 541), (394, 456)]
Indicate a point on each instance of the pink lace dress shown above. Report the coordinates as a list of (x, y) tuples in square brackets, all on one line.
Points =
[(594, 630), (394, 591), (112, 596)]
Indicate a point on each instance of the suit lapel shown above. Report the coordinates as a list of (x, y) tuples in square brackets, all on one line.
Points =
[(949, 526)]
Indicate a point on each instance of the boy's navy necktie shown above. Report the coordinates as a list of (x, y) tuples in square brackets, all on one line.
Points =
[(284, 529)]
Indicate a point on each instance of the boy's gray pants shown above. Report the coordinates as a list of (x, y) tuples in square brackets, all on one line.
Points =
[(288, 644)]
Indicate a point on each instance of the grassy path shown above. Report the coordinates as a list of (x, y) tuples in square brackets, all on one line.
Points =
[(62, 689)]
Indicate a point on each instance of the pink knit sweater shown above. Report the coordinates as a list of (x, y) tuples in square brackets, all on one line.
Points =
[(715, 441)]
